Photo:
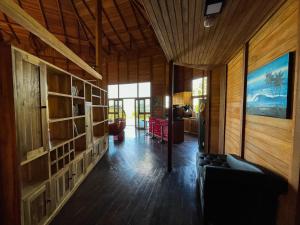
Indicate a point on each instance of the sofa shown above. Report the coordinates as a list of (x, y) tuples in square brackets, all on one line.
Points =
[(236, 192)]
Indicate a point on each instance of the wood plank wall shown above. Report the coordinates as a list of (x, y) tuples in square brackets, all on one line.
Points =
[(9, 175), (233, 105), (149, 65), (268, 141), (217, 101), (183, 77)]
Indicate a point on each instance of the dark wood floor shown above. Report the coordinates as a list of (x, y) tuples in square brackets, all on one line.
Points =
[(130, 186)]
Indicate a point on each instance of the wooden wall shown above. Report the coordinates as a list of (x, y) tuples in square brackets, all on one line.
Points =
[(268, 141), (233, 105), (149, 65), (217, 100), (183, 77)]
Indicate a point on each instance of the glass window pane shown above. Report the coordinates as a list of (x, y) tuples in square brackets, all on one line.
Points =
[(147, 105), (111, 106), (197, 87), (141, 106), (113, 91), (196, 105), (128, 90), (144, 89), (167, 99), (205, 86), (141, 121)]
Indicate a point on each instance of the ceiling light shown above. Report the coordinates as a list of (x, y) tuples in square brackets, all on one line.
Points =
[(213, 7), (209, 21)]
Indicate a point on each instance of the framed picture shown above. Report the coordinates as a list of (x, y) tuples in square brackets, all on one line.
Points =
[(269, 88)]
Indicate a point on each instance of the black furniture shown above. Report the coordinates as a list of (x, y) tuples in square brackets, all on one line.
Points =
[(236, 192)]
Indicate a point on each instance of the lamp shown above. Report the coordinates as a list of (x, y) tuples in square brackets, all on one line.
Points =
[(213, 7)]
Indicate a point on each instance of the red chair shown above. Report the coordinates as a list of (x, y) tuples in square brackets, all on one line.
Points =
[(117, 129), (158, 128)]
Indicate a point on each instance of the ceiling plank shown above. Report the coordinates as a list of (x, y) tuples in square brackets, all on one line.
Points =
[(158, 30), (138, 24), (14, 11), (123, 20), (179, 27), (113, 28)]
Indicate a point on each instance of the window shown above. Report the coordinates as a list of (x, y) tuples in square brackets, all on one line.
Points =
[(113, 91), (128, 90), (200, 87), (199, 92), (167, 102), (134, 90), (144, 90)]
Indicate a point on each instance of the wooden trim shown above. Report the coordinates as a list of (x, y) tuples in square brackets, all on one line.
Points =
[(208, 116), (222, 102), (243, 100), (170, 115), (10, 193), (98, 38), (225, 108), (14, 11)]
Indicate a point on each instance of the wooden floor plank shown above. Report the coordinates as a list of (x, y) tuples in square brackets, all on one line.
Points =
[(131, 186)]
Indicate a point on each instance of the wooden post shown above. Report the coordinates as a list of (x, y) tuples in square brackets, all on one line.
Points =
[(9, 170), (243, 103), (170, 115), (98, 40)]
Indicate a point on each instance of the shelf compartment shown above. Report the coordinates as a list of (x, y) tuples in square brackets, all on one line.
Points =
[(97, 114), (58, 81), (96, 100), (59, 108), (79, 126), (80, 144), (78, 107), (36, 156), (98, 130), (88, 92), (36, 206), (33, 174), (60, 133), (77, 88), (96, 91)]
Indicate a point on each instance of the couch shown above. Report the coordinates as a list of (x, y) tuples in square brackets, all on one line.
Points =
[(236, 192)]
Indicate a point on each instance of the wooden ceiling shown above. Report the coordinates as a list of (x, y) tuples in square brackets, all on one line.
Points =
[(125, 26), (178, 25)]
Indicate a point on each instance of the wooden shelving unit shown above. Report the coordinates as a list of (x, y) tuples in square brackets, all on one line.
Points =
[(62, 134)]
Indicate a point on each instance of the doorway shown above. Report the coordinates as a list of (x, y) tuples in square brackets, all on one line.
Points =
[(128, 106), (142, 113)]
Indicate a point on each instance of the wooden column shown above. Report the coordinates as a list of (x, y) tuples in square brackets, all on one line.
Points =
[(9, 172), (244, 96), (98, 40), (170, 121)]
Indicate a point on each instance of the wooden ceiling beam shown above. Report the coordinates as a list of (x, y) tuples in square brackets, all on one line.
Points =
[(11, 9), (41, 5), (124, 22), (110, 43), (1, 36), (113, 28), (61, 16), (83, 24), (147, 22), (138, 23), (11, 29), (84, 27)]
